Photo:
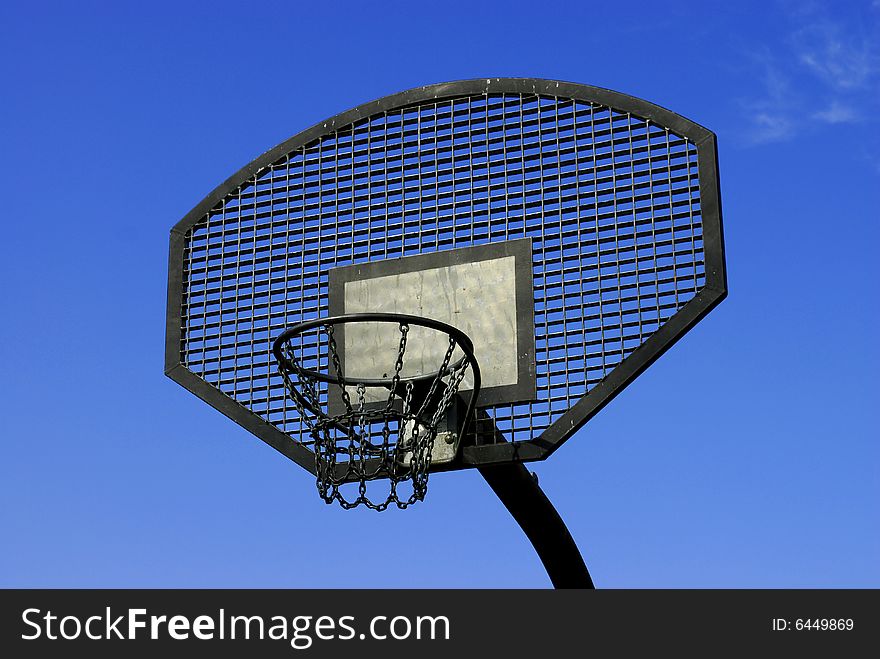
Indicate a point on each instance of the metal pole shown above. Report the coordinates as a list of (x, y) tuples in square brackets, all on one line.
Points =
[(519, 492)]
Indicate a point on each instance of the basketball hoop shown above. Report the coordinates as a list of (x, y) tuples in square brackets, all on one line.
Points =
[(574, 241), (385, 427)]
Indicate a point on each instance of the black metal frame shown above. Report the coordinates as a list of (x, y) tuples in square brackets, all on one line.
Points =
[(526, 502), (712, 293)]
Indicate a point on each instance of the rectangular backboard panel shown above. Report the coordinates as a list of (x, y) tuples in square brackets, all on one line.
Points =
[(485, 291)]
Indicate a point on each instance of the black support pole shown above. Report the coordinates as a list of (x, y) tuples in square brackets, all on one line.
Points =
[(519, 492)]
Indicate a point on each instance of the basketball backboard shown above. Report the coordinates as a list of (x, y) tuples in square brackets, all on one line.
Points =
[(483, 290), (573, 233)]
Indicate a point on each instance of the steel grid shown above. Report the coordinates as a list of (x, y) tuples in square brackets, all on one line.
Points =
[(611, 201)]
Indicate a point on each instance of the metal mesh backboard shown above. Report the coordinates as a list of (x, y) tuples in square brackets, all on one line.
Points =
[(618, 197)]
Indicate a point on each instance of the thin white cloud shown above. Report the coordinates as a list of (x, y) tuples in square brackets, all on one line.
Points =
[(772, 119), (840, 58), (837, 113), (770, 127), (827, 75)]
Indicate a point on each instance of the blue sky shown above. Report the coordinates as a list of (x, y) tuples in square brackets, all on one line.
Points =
[(746, 457)]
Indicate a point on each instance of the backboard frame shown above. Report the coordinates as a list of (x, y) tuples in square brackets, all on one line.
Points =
[(526, 388), (712, 293)]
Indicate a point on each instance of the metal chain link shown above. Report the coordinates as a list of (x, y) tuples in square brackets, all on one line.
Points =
[(351, 433), (334, 357)]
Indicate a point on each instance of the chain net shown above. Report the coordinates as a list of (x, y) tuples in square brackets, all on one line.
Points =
[(369, 441)]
